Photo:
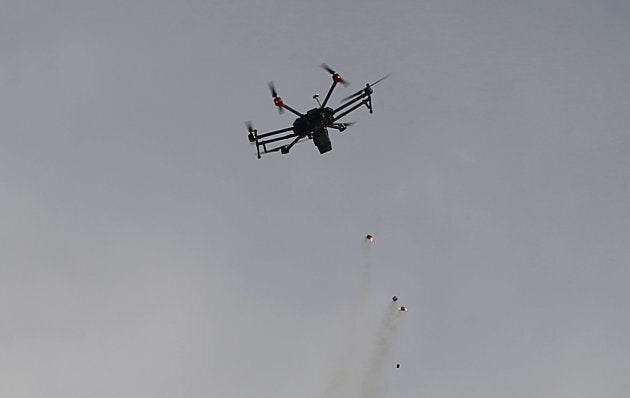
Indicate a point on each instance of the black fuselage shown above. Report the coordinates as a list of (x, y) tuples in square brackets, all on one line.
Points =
[(314, 120), (314, 124)]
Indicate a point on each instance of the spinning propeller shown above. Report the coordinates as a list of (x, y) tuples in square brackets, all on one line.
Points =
[(336, 77), (252, 132), (367, 89), (276, 100)]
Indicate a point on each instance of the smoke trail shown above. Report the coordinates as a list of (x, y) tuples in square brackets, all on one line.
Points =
[(366, 279), (338, 386), (341, 379), (372, 379)]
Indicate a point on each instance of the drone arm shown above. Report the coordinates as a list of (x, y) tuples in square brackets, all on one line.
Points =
[(282, 148), (364, 102), (295, 141), (284, 137), (274, 132), (352, 101), (287, 107), (262, 143), (340, 126), (332, 87)]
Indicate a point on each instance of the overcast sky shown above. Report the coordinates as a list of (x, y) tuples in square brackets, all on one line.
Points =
[(146, 252)]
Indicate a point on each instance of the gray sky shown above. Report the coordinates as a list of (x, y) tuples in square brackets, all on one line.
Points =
[(146, 252)]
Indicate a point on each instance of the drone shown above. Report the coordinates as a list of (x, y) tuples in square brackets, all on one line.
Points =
[(313, 124)]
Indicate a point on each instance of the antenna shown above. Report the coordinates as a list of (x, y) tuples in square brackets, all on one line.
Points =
[(316, 98)]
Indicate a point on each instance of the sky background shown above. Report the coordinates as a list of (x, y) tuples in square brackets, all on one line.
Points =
[(146, 252)]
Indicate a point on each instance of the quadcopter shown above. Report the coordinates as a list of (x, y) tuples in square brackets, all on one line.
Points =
[(313, 124)]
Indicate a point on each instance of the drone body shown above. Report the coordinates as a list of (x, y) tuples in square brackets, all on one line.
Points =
[(313, 124)]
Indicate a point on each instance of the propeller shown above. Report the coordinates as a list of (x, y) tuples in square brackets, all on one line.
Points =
[(368, 87), (272, 87), (251, 130), (276, 100), (336, 77), (381, 79)]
